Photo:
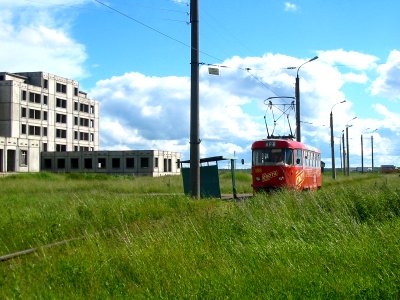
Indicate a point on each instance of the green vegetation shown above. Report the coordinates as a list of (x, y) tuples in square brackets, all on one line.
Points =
[(142, 238)]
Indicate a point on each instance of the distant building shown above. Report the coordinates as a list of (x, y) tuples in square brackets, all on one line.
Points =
[(131, 162), (47, 123), (388, 169)]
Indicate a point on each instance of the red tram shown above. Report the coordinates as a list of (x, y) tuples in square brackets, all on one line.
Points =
[(281, 163)]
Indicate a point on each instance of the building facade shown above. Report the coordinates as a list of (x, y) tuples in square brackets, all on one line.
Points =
[(42, 112), (47, 123), (48, 109), (130, 162)]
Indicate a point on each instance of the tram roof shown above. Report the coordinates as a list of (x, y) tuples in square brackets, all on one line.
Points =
[(281, 143)]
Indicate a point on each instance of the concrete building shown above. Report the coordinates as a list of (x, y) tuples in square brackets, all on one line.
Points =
[(47, 123), (49, 109)]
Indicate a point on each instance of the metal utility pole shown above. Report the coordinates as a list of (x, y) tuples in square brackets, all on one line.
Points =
[(332, 141), (344, 154), (362, 154), (372, 151), (297, 95), (340, 152), (194, 102), (347, 141), (348, 153)]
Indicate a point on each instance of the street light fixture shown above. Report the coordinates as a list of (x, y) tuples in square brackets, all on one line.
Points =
[(297, 95), (332, 141), (347, 141)]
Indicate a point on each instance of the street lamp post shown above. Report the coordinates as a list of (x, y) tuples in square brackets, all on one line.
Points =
[(297, 95), (344, 154), (372, 149), (347, 141), (362, 150), (332, 141)]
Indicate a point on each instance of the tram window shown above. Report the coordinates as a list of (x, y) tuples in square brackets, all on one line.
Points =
[(299, 158), (269, 157), (289, 157)]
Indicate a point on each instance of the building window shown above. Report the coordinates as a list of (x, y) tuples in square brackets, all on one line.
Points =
[(92, 109), (76, 121), (116, 163), (144, 162), (84, 122), (84, 108), (91, 123), (61, 148), (47, 164), (101, 163), (23, 96), (45, 146), (23, 112), (165, 165), (34, 130), (61, 163), (44, 131), (34, 114), (88, 163), (33, 97), (178, 163), (155, 162), (23, 128), (61, 88), (45, 116), (75, 91), (76, 135), (23, 159), (76, 148), (91, 137), (169, 165), (45, 100), (130, 162), (83, 136), (76, 105), (45, 84), (74, 163), (61, 133), (60, 118), (61, 103), (84, 148)]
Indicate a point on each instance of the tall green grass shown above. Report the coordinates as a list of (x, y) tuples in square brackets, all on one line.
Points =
[(339, 242)]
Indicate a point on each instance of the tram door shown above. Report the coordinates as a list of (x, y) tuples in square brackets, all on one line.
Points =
[(10, 160)]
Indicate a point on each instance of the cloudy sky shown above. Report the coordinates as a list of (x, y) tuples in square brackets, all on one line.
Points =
[(133, 56)]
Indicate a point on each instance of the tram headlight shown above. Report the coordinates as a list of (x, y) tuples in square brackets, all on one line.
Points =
[(258, 178), (281, 178)]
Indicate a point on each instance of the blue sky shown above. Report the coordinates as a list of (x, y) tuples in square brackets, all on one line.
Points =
[(133, 56)]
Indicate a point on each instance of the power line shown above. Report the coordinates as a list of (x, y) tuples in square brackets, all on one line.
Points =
[(184, 44), (141, 23), (153, 29)]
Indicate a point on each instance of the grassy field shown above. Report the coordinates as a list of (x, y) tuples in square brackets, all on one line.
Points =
[(142, 238)]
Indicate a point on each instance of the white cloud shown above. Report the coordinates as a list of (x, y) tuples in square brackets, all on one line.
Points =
[(352, 59), (31, 35), (388, 82), (290, 6), (231, 105)]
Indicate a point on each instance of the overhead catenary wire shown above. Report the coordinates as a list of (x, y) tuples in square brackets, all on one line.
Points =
[(268, 87), (153, 29)]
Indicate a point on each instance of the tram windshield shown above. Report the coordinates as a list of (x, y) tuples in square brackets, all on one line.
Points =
[(272, 157)]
